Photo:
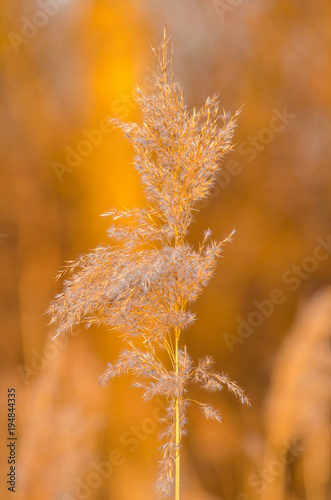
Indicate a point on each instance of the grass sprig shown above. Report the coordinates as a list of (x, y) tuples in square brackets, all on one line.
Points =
[(142, 284)]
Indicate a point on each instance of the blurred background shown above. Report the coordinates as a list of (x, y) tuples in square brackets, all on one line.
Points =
[(65, 66)]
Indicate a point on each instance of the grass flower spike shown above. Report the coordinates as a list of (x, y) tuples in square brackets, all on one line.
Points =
[(142, 284)]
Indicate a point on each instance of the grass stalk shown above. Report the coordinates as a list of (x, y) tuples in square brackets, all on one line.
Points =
[(177, 456), (142, 283)]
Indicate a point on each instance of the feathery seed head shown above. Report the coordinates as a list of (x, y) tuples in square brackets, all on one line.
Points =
[(142, 283)]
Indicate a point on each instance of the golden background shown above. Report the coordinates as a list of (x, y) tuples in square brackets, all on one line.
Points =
[(67, 65)]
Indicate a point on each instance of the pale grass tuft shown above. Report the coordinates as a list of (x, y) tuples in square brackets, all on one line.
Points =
[(142, 284)]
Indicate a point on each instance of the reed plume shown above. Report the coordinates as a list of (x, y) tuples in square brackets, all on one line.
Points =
[(143, 283), (299, 407)]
